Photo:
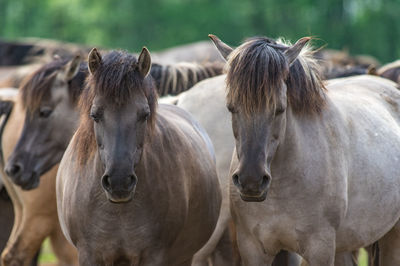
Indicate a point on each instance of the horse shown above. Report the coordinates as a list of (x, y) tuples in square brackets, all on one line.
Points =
[(36, 50), (341, 58), (342, 72), (390, 71), (35, 211), (205, 96), (13, 77), (312, 161), (137, 183), (337, 64), (197, 52)]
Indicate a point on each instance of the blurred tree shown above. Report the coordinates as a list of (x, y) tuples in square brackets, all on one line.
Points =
[(361, 26)]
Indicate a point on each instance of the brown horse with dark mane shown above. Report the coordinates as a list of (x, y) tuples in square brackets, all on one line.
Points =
[(156, 163)]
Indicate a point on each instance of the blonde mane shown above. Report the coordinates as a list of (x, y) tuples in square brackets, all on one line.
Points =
[(257, 68)]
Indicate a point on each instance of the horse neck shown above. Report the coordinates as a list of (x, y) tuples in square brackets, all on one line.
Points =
[(302, 130), (174, 79), (290, 145)]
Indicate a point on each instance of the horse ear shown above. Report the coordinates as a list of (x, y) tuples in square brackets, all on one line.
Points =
[(292, 53), (144, 62), (222, 47), (73, 67), (94, 60)]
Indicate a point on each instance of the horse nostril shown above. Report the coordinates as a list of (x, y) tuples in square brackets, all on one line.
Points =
[(133, 180), (106, 182), (236, 180), (14, 170), (265, 181)]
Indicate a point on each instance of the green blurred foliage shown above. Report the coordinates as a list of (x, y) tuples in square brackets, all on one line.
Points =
[(361, 26)]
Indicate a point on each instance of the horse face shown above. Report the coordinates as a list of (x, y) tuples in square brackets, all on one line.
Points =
[(46, 133), (120, 135), (259, 130), (257, 138)]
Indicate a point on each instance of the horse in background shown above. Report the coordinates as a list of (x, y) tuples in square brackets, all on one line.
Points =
[(338, 64), (197, 52), (282, 114), (35, 211), (6, 207), (172, 79), (390, 71), (36, 50), (13, 76)]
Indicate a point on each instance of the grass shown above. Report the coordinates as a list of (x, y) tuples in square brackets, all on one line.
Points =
[(47, 256), (363, 258)]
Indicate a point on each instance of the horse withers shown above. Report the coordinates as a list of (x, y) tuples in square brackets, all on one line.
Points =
[(137, 183), (311, 162)]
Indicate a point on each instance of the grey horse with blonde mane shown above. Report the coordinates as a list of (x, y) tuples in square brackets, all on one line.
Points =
[(315, 168)]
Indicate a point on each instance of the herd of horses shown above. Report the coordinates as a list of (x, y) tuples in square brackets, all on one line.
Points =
[(265, 154)]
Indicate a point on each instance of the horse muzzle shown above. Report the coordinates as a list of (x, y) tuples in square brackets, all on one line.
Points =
[(252, 189), (26, 180), (119, 189), (253, 198)]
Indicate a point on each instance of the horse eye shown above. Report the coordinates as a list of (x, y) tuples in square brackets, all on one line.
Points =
[(95, 117), (45, 112), (279, 111), (145, 116), (231, 109)]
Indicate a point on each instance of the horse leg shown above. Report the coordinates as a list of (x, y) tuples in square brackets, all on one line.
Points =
[(17, 206), (345, 259), (156, 257), (286, 258), (389, 246), (250, 252), (35, 260), (86, 257), (320, 249), (65, 252), (237, 261), (6, 217), (373, 254), (223, 253), (28, 240), (214, 248)]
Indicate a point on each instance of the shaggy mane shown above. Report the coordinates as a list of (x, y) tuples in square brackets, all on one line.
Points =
[(255, 72), (173, 79)]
